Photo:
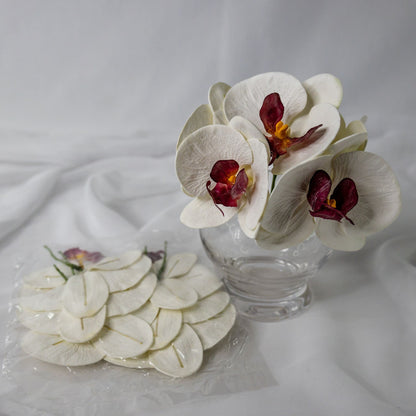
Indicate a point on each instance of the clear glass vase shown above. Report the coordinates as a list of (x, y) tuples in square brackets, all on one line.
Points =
[(265, 285)]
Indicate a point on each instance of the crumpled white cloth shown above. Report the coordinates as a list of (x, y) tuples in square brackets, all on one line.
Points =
[(70, 74)]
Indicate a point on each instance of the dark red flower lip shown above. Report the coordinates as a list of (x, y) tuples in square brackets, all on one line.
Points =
[(271, 114), (343, 199), (231, 183)]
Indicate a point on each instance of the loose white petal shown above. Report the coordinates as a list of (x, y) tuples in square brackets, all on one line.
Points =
[(251, 213), (202, 280), (216, 97), (340, 235), (136, 362), (45, 301), (324, 88), (27, 290), (202, 149), (123, 279), (124, 337), (53, 349), (287, 214), (148, 312), (173, 294), (206, 308), (215, 329), (45, 322), (202, 116), (202, 213), (120, 262), (179, 264), (85, 294), (246, 98), (47, 278), (325, 114), (379, 200), (249, 131), (182, 358), (120, 303), (166, 327), (79, 330)]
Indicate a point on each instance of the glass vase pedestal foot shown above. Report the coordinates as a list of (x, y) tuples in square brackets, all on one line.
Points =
[(264, 285)]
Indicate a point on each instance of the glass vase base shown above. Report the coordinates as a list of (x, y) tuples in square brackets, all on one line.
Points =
[(270, 310)]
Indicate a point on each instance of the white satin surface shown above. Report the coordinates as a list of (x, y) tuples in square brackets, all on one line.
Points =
[(93, 96)]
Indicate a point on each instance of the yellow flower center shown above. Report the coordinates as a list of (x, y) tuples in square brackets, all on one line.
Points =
[(332, 203), (282, 131)]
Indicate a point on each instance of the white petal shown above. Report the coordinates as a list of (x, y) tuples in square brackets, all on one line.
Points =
[(249, 216), (246, 98), (45, 322), (216, 97), (182, 358), (211, 332), (324, 88), (202, 280), (53, 349), (136, 362), (206, 308), (85, 294), (379, 200), (351, 143), (45, 301), (202, 149), (27, 290), (202, 116), (123, 279), (47, 278), (297, 234), (173, 294), (79, 330), (287, 215), (202, 213), (325, 114), (148, 312), (339, 236), (166, 327), (116, 263), (124, 337), (179, 264), (126, 301), (249, 131)]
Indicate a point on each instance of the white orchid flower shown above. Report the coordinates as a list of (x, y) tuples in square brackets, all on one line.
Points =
[(343, 199), (299, 121), (226, 174), (206, 114)]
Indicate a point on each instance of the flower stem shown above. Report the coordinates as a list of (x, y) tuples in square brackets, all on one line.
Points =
[(273, 182), (67, 263), (60, 272), (163, 266)]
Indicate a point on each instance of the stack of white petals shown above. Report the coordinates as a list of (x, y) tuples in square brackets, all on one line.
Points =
[(118, 310), (280, 132)]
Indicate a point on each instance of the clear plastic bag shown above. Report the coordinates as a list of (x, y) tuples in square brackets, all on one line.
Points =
[(234, 365)]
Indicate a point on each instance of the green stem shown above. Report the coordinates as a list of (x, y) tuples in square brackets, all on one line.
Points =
[(60, 272), (163, 266), (273, 182), (71, 265)]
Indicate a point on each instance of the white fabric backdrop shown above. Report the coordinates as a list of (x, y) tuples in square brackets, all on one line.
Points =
[(92, 98)]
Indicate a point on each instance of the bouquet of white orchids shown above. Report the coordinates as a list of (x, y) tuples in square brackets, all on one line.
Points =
[(277, 153)]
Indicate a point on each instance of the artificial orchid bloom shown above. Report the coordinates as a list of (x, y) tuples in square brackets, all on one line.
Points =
[(342, 198), (206, 114), (226, 174), (299, 121)]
